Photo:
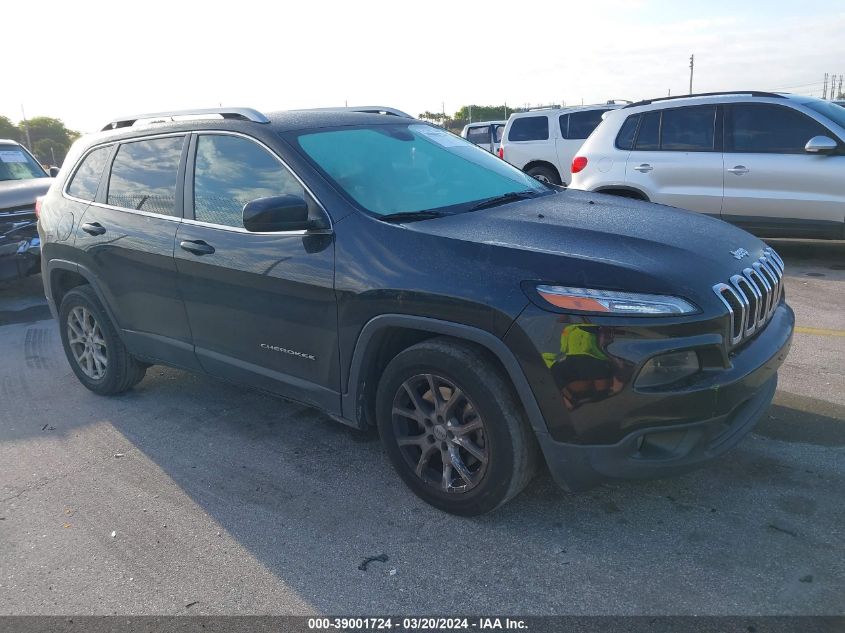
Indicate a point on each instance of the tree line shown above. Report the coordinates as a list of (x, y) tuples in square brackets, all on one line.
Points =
[(475, 112), (48, 139)]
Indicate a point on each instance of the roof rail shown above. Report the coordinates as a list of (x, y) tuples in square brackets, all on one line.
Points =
[(376, 109), (242, 114), (751, 93)]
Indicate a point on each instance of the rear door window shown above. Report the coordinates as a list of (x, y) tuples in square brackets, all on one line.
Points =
[(582, 124), (87, 177), (231, 171), (143, 175), (759, 128), (529, 128), (688, 129)]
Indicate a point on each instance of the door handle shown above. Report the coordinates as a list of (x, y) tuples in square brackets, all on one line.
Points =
[(645, 167), (739, 170), (197, 247), (93, 228)]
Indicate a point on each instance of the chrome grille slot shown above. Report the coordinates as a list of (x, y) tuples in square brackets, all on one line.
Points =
[(752, 297)]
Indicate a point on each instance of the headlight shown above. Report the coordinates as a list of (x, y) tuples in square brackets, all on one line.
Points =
[(587, 300), (668, 368)]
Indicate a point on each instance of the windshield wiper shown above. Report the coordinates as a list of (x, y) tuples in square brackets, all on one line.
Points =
[(504, 199), (411, 216)]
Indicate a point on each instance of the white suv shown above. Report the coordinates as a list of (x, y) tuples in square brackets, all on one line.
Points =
[(543, 142), (771, 163)]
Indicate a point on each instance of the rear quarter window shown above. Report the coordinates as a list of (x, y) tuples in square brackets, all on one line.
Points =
[(87, 177), (529, 128), (625, 138), (582, 124)]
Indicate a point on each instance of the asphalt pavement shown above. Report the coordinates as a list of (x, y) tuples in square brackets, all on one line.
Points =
[(189, 495)]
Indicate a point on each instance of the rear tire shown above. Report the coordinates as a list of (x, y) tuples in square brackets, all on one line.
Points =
[(452, 428), (93, 348), (544, 173)]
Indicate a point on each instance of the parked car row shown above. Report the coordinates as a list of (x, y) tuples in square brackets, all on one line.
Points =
[(396, 276), (771, 163)]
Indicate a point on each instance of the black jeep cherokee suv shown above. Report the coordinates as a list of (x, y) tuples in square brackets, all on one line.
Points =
[(392, 274)]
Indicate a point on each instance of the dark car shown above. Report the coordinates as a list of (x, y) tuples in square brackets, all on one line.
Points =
[(394, 275), (22, 180)]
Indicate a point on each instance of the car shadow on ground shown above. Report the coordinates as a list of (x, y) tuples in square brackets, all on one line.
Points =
[(311, 500)]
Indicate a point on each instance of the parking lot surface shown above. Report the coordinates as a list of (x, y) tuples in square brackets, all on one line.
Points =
[(188, 495)]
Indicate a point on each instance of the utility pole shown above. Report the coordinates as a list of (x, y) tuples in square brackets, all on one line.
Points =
[(26, 129), (470, 113), (691, 69), (824, 90)]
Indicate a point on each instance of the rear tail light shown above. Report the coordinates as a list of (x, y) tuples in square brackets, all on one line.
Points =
[(502, 153), (578, 163), (38, 202)]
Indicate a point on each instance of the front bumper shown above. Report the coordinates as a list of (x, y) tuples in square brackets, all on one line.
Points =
[(637, 434)]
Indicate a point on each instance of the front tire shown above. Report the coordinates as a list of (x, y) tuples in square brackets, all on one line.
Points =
[(93, 348), (452, 428)]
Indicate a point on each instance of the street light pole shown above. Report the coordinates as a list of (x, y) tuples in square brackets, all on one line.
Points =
[(26, 129), (691, 68)]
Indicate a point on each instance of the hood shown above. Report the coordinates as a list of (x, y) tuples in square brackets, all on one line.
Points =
[(19, 193), (609, 242)]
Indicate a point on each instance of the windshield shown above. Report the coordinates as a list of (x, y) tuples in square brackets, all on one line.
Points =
[(835, 113), (17, 164), (412, 167)]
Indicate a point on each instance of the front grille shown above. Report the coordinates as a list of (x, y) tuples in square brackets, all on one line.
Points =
[(752, 297)]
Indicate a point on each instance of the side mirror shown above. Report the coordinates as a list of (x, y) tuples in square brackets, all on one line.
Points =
[(54, 171), (276, 213), (821, 145)]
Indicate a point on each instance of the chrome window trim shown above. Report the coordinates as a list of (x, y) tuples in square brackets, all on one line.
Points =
[(148, 214), (267, 148), (118, 142), (191, 221)]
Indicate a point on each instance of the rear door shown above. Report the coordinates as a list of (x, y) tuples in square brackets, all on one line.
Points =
[(575, 127), (774, 187), (261, 305), (677, 158), (126, 238)]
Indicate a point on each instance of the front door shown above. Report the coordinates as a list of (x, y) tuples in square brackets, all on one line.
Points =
[(261, 305), (772, 185)]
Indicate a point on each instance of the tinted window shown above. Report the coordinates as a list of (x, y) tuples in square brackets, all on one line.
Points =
[(143, 175), (479, 135), (529, 128), (688, 129), (564, 124), (498, 130), (648, 137), (625, 138), (87, 178), (770, 129), (231, 171), (582, 124)]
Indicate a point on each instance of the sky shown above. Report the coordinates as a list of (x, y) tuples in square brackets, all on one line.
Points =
[(87, 62)]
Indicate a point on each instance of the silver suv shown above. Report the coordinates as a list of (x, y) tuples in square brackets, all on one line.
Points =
[(771, 163)]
